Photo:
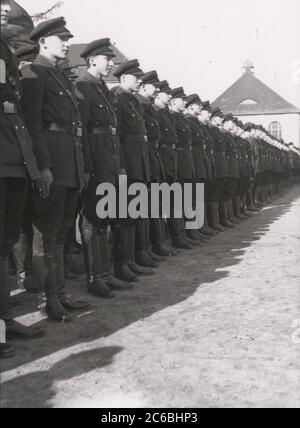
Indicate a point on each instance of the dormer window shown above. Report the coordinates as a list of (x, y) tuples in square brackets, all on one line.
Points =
[(248, 102)]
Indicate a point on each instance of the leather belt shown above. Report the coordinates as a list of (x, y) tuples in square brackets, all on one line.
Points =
[(108, 130), (168, 146), (154, 144), (184, 149), (137, 138), (54, 127), (9, 108)]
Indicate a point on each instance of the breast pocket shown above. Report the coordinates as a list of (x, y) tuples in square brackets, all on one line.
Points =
[(99, 113), (59, 100)]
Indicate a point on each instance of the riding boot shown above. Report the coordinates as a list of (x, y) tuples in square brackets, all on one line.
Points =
[(21, 254), (224, 221), (179, 240), (112, 282), (250, 202), (218, 226), (4, 290), (142, 257), (121, 251), (64, 299), (244, 210), (157, 240), (237, 208), (231, 215), (171, 250), (53, 307), (206, 230), (136, 268), (91, 252)]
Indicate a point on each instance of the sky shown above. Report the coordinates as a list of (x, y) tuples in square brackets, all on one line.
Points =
[(198, 44)]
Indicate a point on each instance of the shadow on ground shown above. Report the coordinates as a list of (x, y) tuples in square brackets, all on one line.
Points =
[(175, 281)]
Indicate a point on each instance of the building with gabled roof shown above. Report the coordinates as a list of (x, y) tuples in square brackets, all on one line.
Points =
[(253, 101)]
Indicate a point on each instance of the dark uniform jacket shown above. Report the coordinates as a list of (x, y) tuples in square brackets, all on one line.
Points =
[(208, 150), (186, 167), (100, 127), (168, 143), (53, 120), (133, 134), (254, 153), (198, 148), (16, 155), (154, 136), (232, 154), (242, 144), (219, 148)]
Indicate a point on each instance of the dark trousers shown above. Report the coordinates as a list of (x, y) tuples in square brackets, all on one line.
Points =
[(54, 216), (13, 193)]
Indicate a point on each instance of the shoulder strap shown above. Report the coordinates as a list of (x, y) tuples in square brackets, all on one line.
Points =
[(67, 90)]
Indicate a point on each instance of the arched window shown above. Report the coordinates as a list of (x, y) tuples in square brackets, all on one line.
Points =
[(248, 102), (275, 130)]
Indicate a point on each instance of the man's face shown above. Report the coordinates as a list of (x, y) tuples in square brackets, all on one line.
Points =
[(149, 91), (205, 116), (5, 10), (196, 109), (163, 98), (131, 82), (178, 104), (246, 135), (57, 46), (228, 125), (103, 64), (217, 121)]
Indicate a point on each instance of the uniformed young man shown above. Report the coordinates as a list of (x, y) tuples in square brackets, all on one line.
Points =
[(100, 128), (232, 154), (221, 165), (135, 149), (184, 148), (194, 108), (22, 251), (146, 95), (169, 156), (208, 154), (17, 165), (53, 120)]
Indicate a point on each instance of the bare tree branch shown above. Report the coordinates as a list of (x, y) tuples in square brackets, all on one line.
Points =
[(47, 13)]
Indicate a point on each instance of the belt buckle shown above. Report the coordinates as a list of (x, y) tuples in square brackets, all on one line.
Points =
[(174, 147), (145, 138), (9, 108), (79, 132), (113, 131)]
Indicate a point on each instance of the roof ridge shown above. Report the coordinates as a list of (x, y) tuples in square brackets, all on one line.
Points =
[(250, 86)]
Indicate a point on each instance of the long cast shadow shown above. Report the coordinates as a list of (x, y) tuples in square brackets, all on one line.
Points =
[(175, 281), (37, 389)]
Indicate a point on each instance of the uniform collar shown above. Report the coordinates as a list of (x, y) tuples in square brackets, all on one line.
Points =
[(42, 61), (143, 100), (90, 78)]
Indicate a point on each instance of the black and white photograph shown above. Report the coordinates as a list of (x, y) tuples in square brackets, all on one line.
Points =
[(149, 207)]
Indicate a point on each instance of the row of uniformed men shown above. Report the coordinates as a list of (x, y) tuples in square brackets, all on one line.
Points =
[(79, 137)]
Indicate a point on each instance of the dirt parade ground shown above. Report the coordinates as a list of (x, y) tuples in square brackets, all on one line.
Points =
[(216, 327)]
